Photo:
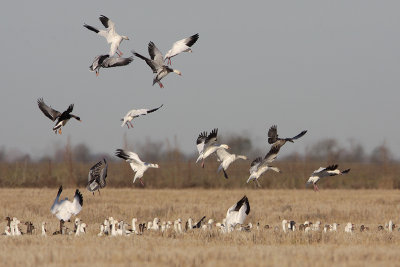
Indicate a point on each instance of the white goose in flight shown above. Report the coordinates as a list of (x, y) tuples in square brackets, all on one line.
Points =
[(52, 114), (136, 163), (64, 209), (181, 46), (237, 214), (274, 139), (207, 145), (110, 34), (134, 113), (97, 176), (105, 61), (259, 165), (226, 159), (156, 63), (331, 170)]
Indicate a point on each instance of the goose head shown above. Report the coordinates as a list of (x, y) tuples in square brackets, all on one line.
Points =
[(125, 37), (225, 146), (177, 72)]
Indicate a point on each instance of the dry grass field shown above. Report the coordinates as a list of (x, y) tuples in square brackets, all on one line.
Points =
[(255, 248)]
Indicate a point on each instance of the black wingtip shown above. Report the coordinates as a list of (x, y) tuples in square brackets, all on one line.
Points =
[(80, 197), (225, 174), (60, 189), (346, 171)]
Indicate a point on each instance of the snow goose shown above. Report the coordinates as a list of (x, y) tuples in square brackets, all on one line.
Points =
[(155, 226), (237, 213), (16, 223), (274, 140), (189, 224), (156, 63), (180, 226), (64, 209), (259, 165), (198, 224), (349, 227), (97, 176), (52, 114), (334, 227), (226, 159), (134, 113), (105, 61), (210, 224), (134, 220), (207, 145), (284, 225), (180, 46), (110, 34), (136, 164), (331, 170), (101, 233)]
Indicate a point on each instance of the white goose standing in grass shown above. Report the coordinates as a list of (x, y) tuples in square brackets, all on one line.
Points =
[(227, 159), (180, 46), (207, 145), (64, 209), (97, 176), (110, 34), (136, 163), (156, 63), (274, 139), (105, 61), (331, 170), (237, 214), (259, 165), (134, 113), (52, 114)]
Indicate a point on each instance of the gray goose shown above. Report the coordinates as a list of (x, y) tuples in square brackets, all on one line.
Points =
[(274, 139), (97, 176)]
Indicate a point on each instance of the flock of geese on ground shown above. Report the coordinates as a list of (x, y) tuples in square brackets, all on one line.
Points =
[(207, 145)]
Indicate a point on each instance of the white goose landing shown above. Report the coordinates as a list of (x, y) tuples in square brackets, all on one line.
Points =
[(64, 209), (331, 170), (136, 163), (237, 214), (259, 165), (180, 46), (134, 113), (110, 34)]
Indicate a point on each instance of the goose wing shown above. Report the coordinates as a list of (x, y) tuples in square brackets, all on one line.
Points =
[(77, 204), (200, 141), (56, 204), (49, 112), (273, 134), (103, 174), (128, 156), (139, 112), (238, 212), (109, 24), (94, 172), (254, 164), (272, 154), (299, 135), (152, 64), (212, 137), (182, 45), (155, 54), (116, 62)]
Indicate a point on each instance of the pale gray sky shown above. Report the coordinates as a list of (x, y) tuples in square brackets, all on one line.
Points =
[(331, 67)]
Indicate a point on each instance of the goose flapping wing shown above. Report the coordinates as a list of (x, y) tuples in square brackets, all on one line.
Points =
[(77, 203), (108, 24), (56, 203), (272, 154), (211, 138), (151, 63), (155, 54), (137, 112), (103, 174), (182, 45), (254, 164), (201, 139), (299, 135), (129, 156), (273, 134), (49, 112), (238, 212)]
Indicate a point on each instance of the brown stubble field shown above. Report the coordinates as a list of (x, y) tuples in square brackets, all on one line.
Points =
[(256, 248)]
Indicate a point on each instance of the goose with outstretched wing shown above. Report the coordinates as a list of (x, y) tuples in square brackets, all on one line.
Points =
[(274, 139), (112, 37), (227, 159), (134, 113), (180, 46), (237, 214), (156, 63), (137, 165), (322, 172), (207, 145), (52, 114)]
